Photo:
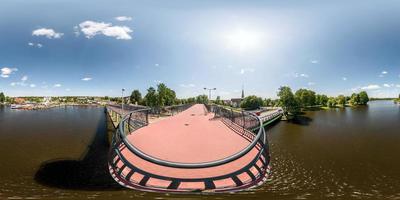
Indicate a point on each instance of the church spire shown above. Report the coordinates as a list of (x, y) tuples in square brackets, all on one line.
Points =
[(242, 92)]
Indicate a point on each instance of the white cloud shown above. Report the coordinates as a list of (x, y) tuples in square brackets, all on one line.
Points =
[(76, 31), (344, 78), (398, 85), (6, 71), (314, 61), (297, 75), (311, 83), (32, 85), (187, 85), (386, 85), (49, 33), (156, 64), (67, 89), (123, 18), (244, 70), (384, 72), (24, 78), (57, 85), (91, 29), (86, 79), (371, 87), (38, 45)]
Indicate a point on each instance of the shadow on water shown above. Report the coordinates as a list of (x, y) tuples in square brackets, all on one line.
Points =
[(88, 173), (301, 120)]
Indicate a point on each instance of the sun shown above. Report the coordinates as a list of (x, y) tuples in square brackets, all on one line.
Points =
[(243, 40)]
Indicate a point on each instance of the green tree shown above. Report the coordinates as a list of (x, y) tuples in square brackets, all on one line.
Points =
[(355, 99), (151, 97), (166, 96), (2, 97), (251, 103), (305, 97), (202, 99), (341, 100), (364, 99), (191, 100), (287, 100), (331, 102), (218, 100), (321, 99), (136, 97), (268, 102)]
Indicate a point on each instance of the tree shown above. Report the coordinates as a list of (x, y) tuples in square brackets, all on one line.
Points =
[(305, 97), (136, 97), (251, 103), (321, 100), (191, 100), (166, 96), (287, 100), (202, 99), (151, 97), (268, 102), (218, 100), (341, 100), (2, 97), (355, 99), (363, 98), (331, 102)]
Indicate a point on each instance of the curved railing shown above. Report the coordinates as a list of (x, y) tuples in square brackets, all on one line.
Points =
[(138, 119)]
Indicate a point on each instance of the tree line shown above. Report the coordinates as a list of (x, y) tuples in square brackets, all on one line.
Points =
[(304, 98), (162, 96)]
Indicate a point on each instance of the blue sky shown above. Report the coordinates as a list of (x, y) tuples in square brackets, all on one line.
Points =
[(98, 47)]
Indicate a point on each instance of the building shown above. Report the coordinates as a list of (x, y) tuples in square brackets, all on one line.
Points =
[(235, 102)]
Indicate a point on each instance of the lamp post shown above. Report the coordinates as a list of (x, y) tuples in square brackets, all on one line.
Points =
[(122, 101), (209, 92)]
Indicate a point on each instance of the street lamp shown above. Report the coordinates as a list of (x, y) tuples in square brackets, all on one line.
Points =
[(122, 98), (209, 92)]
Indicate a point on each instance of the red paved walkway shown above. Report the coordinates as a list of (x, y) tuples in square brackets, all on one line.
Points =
[(189, 137)]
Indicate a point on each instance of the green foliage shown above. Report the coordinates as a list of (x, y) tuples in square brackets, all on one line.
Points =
[(364, 99), (202, 99), (305, 97), (218, 100), (164, 96), (268, 102), (341, 100), (136, 97), (151, 97), (2, 97), (355, 99), (321, 99), (331, 102), (287, 100), (251, 103)]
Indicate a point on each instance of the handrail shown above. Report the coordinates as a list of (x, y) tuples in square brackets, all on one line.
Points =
[(141, 154)]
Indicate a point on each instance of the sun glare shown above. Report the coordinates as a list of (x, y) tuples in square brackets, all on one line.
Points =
[(243, 40)]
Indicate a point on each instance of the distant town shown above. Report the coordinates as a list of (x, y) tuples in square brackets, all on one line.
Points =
[(161, 96)]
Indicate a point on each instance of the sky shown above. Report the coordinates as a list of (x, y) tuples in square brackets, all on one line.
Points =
[(96, 48)]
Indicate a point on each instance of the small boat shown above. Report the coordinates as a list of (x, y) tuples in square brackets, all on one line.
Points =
[(15, 106)]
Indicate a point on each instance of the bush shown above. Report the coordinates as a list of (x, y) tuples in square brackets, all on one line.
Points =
[(251, 103)]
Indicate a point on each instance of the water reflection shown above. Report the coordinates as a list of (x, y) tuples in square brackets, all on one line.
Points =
[(349, 153)]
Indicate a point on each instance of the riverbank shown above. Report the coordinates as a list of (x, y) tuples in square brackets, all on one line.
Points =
[(43, 107)]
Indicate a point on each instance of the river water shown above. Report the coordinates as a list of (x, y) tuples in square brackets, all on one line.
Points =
[(350, 153)]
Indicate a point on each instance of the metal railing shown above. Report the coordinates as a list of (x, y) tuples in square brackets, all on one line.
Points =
[(139, 118)]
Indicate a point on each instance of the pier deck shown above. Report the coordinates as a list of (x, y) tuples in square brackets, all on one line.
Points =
[(191, 136)]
